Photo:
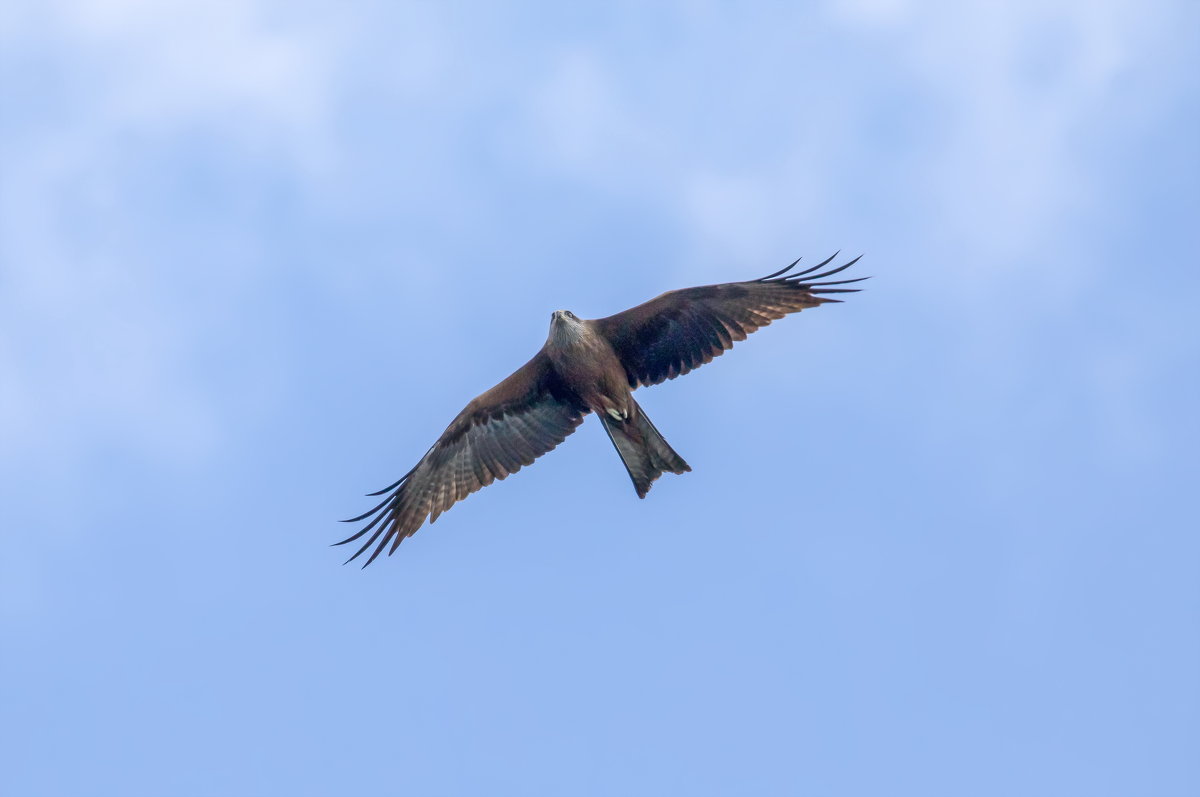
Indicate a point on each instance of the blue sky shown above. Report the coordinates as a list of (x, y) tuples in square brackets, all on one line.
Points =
[(938, 540)]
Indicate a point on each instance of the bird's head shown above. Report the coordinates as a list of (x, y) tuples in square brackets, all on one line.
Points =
[(563, 317), (565, 326)]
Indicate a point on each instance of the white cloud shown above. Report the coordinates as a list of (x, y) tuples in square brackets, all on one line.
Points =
[(872, 12), (91, 341), (585, 122), (734, 211), (229, 65), (1022, 86), (1002, 100)]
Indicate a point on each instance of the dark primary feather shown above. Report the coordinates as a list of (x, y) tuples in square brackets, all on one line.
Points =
[(498, 433), (681, 330)]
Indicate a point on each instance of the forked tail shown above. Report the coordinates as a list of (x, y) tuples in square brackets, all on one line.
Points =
[(643, 450)]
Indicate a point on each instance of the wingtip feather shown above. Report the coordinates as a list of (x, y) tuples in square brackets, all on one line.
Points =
[(783, 270)]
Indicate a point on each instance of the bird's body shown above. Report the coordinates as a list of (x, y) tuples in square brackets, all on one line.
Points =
[(584, 359), (588, 366)]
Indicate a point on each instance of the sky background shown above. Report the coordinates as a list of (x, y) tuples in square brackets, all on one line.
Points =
[(938, 540)]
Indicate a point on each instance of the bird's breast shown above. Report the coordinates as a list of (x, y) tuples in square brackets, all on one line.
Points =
[(587, 363)]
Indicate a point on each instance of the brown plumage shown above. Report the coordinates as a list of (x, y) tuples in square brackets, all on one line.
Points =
[(588, 366)]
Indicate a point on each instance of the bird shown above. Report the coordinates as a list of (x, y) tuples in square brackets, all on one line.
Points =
[(589, 366)]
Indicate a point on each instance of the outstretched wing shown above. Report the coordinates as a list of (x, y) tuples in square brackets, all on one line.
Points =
[(498, 433), (681, 330)]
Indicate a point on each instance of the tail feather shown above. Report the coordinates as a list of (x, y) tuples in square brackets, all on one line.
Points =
[(646, 454)]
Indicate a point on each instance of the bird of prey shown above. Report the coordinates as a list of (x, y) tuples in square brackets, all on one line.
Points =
[(589, 366)]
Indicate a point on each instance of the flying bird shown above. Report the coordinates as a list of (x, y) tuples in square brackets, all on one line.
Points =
[(589, 366)]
